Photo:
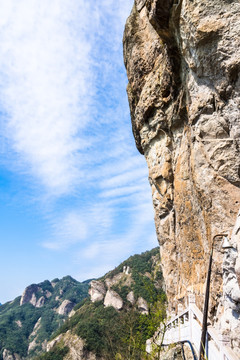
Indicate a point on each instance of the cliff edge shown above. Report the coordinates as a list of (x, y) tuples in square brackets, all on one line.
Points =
[(182, 60)]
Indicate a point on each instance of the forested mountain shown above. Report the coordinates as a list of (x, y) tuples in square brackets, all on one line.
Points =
[(28, 322), (58, 320), (125, 308)]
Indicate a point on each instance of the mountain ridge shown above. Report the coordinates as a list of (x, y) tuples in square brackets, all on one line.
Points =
[(125, 308), (27, 322), (52, 307)]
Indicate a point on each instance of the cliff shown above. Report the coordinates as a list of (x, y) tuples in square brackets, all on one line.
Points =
[(182, 61)]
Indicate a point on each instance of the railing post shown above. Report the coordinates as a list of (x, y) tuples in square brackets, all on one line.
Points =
[(224, 341), (180, 310), (191, 300)]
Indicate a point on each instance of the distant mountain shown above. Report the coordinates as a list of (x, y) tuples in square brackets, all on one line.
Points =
[(57, 320), (27, 323), (125, 308)]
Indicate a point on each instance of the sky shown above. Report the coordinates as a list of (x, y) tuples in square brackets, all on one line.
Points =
[(74, 192)]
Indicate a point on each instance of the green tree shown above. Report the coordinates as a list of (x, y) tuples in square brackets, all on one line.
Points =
[(138, 328)]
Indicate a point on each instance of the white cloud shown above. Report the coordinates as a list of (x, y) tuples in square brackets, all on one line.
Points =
[(68, 230), (108, 252), (121, 191), (94, 271), (46, 81), (52, 71), (116, 245), (125, 178), (62, 95)]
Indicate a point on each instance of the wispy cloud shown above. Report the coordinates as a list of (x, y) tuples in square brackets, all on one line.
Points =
[(46, 87), (68, 230), (60, 85), (106, 252), (66, 119)]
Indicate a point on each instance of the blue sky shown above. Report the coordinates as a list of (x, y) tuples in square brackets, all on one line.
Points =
[(74, 194)]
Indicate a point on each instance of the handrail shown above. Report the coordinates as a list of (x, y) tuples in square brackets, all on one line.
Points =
[(191, 347), (197, 312), (186, 327), (177, 316)]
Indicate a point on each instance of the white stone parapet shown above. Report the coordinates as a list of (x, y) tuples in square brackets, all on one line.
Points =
[(187, 327)]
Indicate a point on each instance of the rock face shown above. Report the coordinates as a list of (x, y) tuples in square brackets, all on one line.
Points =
[(29, 295), (142, 305), (100, 290), (182, 60), (7, 355), (97, 290), (75, 345), (66, 307), (113, 299), (131, 297), (229, 319), (40, 302)]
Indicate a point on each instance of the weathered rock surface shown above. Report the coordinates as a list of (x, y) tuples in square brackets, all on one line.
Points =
[(66, 307), (19, 323), (33, 336), (29, 295), (76, 347), (131, 297), (142, 305), (113, 299), (97, 290), (183, 60), (7, 355), (40, 302), (228, 313)]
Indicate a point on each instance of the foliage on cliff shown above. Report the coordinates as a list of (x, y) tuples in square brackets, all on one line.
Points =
[(138, 263)]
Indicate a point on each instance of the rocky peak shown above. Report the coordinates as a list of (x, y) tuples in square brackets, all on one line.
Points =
[(113, 299), (66, 307), (97, 290), (31, 323), (117, 302), (29, 295), (126, 270), (35, 295), (119, 288), (7, 355), (131, 297), (182, 62)]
